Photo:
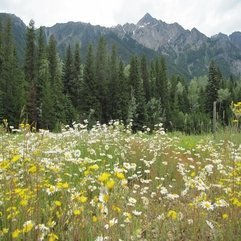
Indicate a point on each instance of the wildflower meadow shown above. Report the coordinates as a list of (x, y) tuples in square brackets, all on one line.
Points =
[(110, 184)]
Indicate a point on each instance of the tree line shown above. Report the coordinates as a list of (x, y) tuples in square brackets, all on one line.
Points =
[(48, 91)]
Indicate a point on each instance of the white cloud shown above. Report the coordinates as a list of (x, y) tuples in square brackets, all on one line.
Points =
[(209, 16)]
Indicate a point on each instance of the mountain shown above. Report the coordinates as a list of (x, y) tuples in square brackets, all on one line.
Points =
[(187, 52), (235, 38), (19, 31), (84, 33)]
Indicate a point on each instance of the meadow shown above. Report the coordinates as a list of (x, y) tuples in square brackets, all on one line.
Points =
[(110, 184)]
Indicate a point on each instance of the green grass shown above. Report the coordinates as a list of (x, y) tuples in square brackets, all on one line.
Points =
[(110, 184)]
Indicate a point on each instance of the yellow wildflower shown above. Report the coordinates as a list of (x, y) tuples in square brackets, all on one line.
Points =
[(225, 216), (104, 177), (172, 214), (16, 158), (120, 175), (87, 172), (94, 219), (64, 185), (51, 223), (128, 217), (32, 169), (52, 237), (77, 212), (57, 203), (16, 233), (110, 183), (236, 202), (116, 209), (24, 202), (193, 174), (106, 198), (82, 199), (94, 167), (28, 226)]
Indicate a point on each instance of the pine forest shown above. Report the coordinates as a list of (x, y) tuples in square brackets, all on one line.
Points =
[(48, 91)]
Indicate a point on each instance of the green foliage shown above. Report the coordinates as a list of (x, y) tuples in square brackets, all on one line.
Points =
[(214, 82), (138, 105), (12, 84), (90, 103), (103, 88)]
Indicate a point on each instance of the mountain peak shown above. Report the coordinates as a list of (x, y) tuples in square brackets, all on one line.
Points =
[(147, 19)]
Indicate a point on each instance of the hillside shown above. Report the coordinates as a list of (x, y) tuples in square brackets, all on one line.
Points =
[(187, 52)]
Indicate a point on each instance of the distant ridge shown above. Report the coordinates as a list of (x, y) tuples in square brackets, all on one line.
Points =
[(188, 52)]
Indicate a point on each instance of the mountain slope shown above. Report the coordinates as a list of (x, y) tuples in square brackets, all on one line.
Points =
[(187, 52), (77, 32), (19, 31)]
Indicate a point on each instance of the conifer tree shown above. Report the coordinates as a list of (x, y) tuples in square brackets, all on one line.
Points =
[(114, 87), (90, 103), (153, 79), (42, 75), (1, 72), (78, 78), (55, 75), (70, 87), (162, 92), (1, 50), (11, 84), (18, 98), (139, 115), (214, 81), (68, 72), (101, 75), (145, 79), (72, 77), (123, 96), (30, 74), (47, 121)]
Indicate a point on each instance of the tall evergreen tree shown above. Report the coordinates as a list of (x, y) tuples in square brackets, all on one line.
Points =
[(30, 74), (1, 79), (153, 79), (72, 77), (145, 79), (70, 87), (68, 72), (101, 74), (139, 115), (162, 92), (42, 75), (114, 87), (47, 103), (123, 96), (11, 81), (1, 49), (78, 78), (18, 98), (90, 103), (214, 81), (56, 84)]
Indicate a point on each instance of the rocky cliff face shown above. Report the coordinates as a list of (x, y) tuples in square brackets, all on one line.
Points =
[(235, 38), (187, 52)]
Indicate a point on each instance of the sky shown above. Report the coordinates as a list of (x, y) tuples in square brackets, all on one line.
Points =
[(208, 16)]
